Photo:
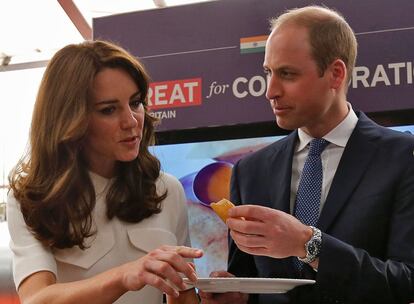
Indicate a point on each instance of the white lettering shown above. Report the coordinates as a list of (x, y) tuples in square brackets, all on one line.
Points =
[(262, 86), (380, 76), (159, 94), (164, 114), (396, 67), (360, 73), (236, 92), (190, 86), (149, 96), (410, 72), (385, 74), (177, 94)]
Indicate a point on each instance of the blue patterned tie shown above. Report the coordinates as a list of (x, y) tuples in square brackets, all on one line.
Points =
[(308, 198)]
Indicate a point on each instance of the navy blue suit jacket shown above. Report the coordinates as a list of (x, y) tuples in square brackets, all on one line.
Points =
[(367, 253)]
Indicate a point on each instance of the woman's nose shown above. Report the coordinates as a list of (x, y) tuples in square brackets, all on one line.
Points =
[(129, 119)]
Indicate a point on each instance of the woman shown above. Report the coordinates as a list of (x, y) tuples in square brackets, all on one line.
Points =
[(90, 215)]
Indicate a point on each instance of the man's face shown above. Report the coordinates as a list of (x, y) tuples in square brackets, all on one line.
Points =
[(299, 96)]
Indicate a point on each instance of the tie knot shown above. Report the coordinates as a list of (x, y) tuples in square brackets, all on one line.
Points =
[(317, 145)]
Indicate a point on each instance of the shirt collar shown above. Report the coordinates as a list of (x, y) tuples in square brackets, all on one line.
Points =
[(338, 136)]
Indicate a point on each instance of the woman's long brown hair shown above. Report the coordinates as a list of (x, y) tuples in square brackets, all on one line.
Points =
[(51, 182)]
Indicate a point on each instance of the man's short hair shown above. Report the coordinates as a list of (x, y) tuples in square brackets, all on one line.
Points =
[(330, 36)]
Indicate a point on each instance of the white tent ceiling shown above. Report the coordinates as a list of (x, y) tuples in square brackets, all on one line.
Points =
[(35, 30)]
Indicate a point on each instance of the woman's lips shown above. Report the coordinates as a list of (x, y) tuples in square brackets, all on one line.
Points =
[(130, 140)]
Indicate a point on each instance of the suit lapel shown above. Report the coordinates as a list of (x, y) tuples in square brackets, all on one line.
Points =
[(280, 174), (354, 161)]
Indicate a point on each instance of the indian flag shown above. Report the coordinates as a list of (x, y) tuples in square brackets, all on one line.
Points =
[(253, 44)]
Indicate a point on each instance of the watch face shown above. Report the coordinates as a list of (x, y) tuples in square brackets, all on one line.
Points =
[(314, 247)]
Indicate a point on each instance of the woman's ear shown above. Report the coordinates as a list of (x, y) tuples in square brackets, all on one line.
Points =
[(338, 74)]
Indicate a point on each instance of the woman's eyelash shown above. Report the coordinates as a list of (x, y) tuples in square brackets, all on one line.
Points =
[(107, 110)]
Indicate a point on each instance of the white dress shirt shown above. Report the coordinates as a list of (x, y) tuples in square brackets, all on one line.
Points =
[(331, 155)]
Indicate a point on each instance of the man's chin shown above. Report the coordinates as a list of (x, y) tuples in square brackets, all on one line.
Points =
[(285, 125)]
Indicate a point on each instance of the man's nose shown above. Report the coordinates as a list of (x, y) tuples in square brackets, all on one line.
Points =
[(274, 88)]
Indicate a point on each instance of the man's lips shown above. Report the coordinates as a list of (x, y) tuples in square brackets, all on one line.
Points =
[(278, 107), (281, 109)]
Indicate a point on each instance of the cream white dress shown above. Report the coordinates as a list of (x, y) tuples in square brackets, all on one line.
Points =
[(115, 243)]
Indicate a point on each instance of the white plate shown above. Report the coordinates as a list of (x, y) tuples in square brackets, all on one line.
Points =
[(247, 285)]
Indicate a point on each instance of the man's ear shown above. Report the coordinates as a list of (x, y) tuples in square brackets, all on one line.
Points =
[(338, 73)]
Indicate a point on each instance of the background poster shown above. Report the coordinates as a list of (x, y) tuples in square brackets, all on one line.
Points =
[(206, 59)]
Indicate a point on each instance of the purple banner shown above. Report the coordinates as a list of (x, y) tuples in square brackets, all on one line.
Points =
[(206, 59)]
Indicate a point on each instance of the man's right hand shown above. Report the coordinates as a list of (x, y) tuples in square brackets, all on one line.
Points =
[(223, 298)]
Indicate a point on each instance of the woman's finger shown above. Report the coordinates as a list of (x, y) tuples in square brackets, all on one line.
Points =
[(159, 283)]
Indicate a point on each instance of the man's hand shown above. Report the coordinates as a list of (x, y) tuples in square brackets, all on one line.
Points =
[(268, 232), (223, 298)]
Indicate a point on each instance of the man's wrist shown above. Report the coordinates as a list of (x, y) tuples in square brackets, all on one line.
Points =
[(312, 246), (315, 264), (306, 236)]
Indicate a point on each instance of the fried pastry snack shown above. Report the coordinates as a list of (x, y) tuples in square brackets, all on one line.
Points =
[(221, 208)]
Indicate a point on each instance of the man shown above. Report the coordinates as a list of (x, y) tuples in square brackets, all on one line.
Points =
[(361, 249)]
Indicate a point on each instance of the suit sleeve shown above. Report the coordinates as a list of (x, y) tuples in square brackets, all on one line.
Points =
[(351, 275), (239, 263)]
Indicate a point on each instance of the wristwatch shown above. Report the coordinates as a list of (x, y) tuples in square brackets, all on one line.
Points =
[(313, 246)]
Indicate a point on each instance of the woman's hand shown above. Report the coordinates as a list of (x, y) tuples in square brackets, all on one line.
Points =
[(161, 268)]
